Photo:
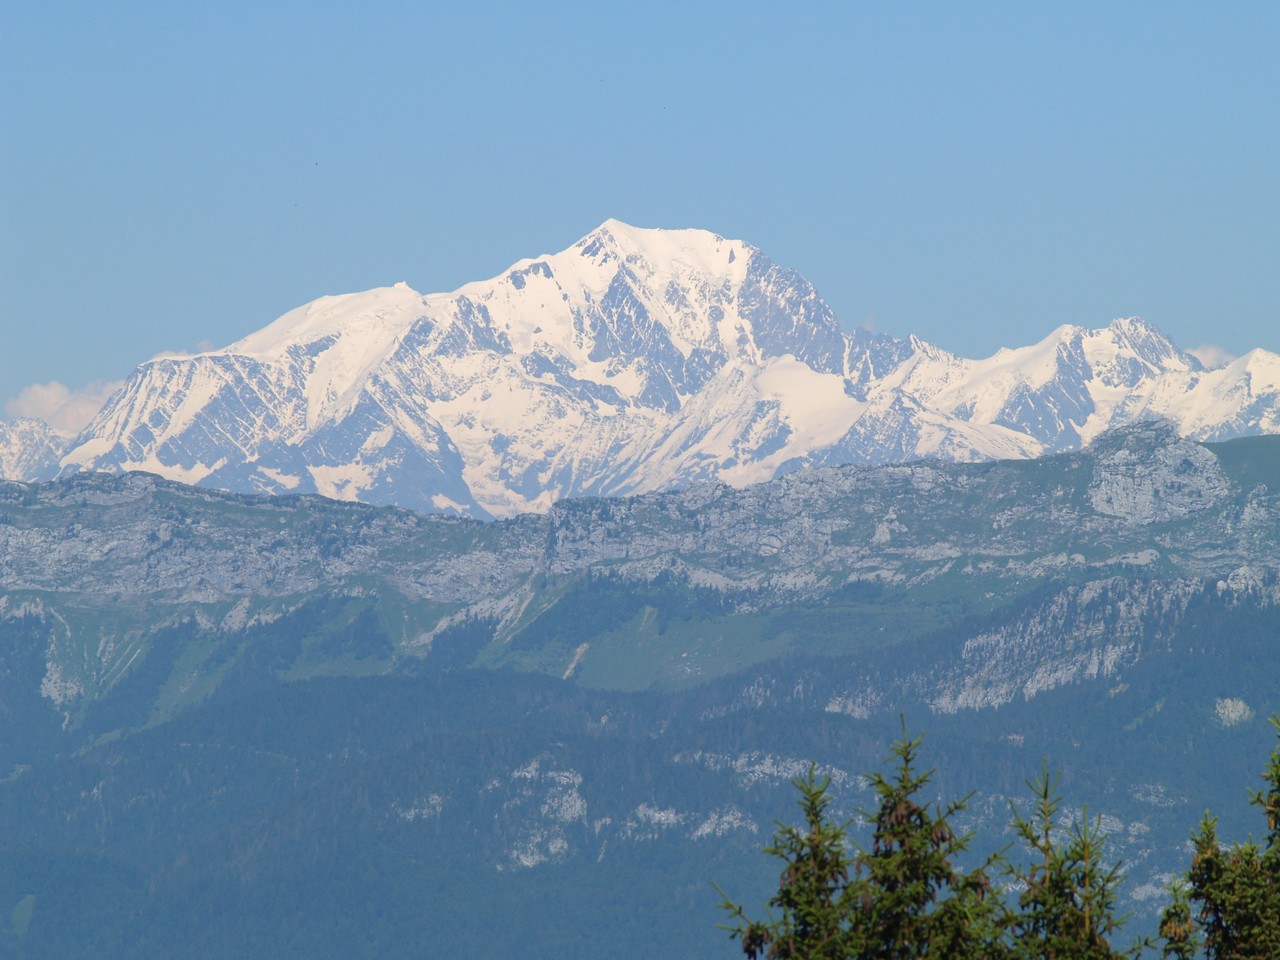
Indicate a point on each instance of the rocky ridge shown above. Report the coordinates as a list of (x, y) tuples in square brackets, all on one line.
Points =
[(1063, 566)]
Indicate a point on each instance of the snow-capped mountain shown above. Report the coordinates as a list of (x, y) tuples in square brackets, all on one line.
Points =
[(633, 361), (30, 448), (1063, 391)]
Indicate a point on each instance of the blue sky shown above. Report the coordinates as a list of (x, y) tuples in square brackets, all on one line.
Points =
[(177, 175)]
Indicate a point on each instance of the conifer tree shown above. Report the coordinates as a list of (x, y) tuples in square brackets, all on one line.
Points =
[(1066, 910), (1177, 927), (917, 903), (815, 897), (904, 898), (1237, 889)]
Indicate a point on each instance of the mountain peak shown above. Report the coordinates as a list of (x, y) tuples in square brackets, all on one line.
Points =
[(1134, 325), (662, 249), (660, 237), (930, 350), (1151, 344)]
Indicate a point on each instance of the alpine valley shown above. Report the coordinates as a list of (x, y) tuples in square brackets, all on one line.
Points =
[(495, 624)]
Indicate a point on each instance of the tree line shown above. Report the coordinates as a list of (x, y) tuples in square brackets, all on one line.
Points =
[(904, 897)]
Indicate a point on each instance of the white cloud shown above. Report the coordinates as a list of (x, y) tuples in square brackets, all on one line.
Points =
[(1212, 355), (204, 346), (66, 411)]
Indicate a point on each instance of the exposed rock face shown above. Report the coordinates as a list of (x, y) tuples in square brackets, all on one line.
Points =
[(1154, 482)]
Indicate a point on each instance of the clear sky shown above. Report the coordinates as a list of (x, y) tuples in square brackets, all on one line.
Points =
[(178, 175)]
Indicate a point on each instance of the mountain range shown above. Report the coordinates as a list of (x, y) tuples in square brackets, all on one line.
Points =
[(637, 360)]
